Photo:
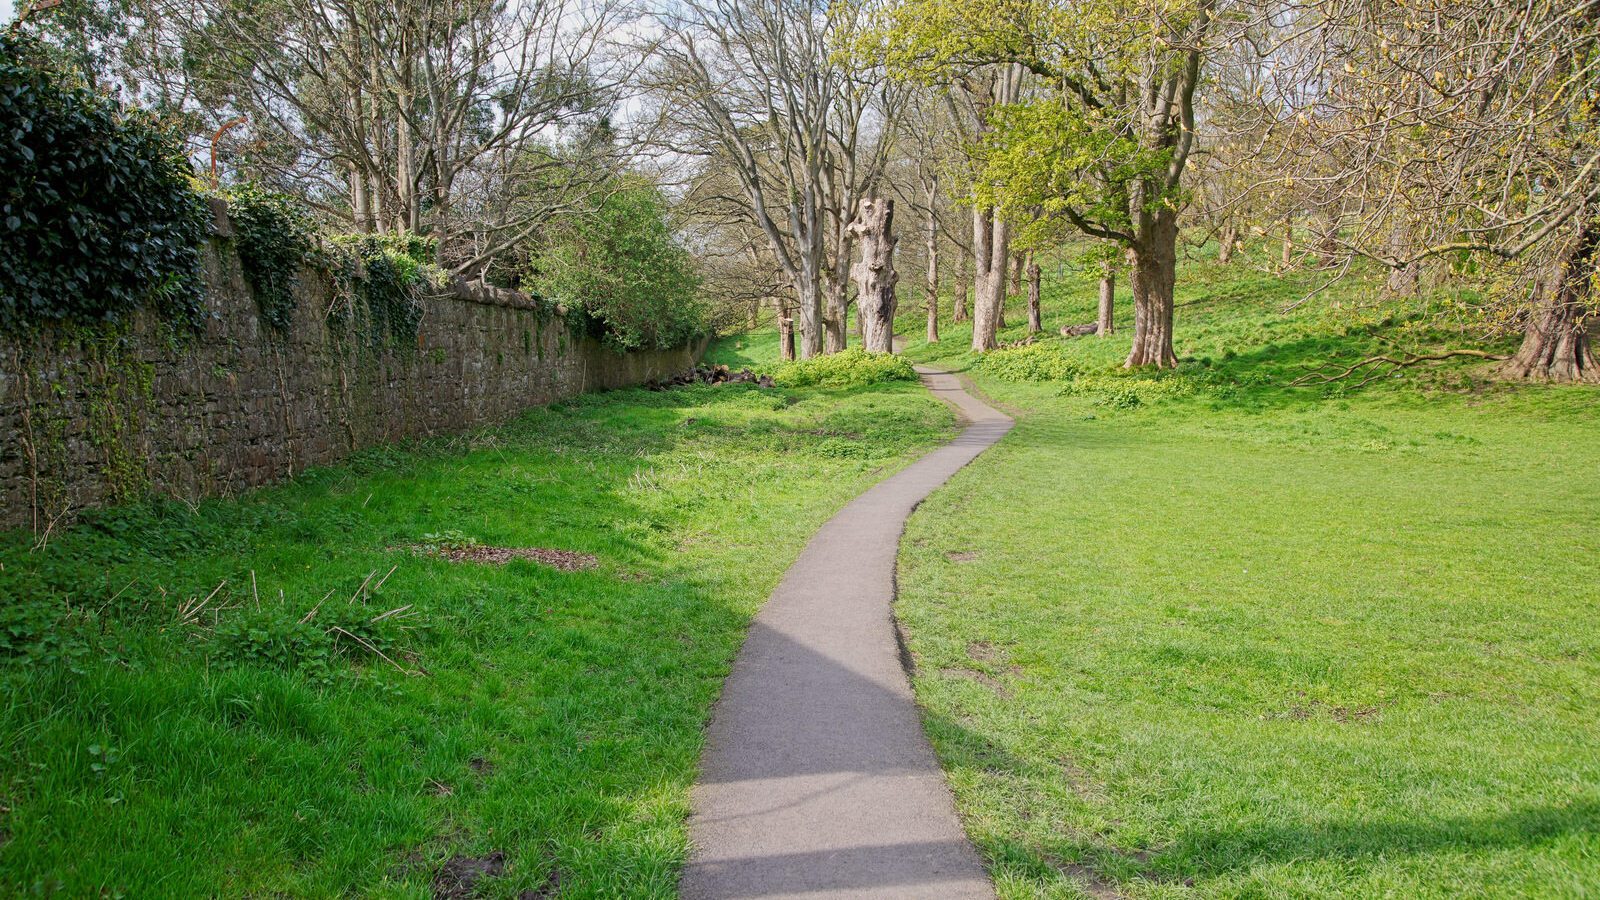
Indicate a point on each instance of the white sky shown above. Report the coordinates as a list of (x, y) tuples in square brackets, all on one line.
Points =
[(7, 9)]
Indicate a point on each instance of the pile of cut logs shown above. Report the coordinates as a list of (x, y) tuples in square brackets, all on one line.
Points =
[(711, 375)]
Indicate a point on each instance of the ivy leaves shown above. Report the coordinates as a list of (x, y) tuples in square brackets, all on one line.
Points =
[(274, 239), (97, 217)]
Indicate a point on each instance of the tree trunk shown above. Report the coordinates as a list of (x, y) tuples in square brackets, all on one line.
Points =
[(785, 336), (1018, 263), (1108, 299), (834, 316), (1405, 280), (1034, 313), (1155, 265), (809, 294), (1556, 344), (1225, 242), (985, 281), (958, 312), (931, 285), (991, 236), (1288, 242), (874, 274)]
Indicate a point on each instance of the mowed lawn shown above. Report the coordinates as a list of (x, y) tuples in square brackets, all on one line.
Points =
[(1206, 635), (208, 702)]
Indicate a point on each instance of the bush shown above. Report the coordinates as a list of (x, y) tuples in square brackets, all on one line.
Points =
[(1047, 361), (619, 267), (851, 368), (97, 216)]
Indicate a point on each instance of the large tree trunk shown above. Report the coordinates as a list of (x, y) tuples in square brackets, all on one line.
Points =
[(809, 294), (1034, 312), (1108, 298), (1018, 263), (1155, 266), (931, 284), (1556, 345), (1225, 243), (835, 312), (958, 312), (990, 245), (874, 274)]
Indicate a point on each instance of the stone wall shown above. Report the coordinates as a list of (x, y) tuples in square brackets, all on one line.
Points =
[(90, 417)]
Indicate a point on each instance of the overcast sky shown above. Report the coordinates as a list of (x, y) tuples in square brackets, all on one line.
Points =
[(6, 9)]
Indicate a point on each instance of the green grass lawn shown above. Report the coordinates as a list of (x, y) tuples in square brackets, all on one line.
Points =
[(555, 717), (1201, 634)]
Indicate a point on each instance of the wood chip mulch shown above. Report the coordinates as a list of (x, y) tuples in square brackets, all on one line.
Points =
[(565, 560)]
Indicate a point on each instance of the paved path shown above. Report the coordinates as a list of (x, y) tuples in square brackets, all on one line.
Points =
[(817, 779)]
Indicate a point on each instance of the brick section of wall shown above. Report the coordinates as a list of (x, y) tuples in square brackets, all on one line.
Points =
[(87, 420)]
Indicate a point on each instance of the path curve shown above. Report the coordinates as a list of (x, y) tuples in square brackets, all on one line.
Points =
[(817, 779)]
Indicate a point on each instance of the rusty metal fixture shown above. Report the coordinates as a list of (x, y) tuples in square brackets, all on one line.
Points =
[(237, 120)]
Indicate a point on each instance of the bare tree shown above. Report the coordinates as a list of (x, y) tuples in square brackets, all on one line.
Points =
[(762, 86), (385, 113), (1460, 128)]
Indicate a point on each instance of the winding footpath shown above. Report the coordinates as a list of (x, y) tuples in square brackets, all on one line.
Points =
[(817, 779)]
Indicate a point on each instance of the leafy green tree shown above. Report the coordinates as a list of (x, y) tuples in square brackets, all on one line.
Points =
[(620, 265), (1103, 139)]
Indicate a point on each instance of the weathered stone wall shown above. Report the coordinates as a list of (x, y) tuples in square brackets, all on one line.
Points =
[(90, 417)]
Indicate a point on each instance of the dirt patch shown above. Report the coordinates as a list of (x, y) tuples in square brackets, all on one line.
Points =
[(459, 876), (480, 766), (1344, 715), (983, 678), (565, 560), (983, 651), (961, 556)]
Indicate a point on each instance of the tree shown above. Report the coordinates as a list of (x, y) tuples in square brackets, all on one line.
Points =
[(620, 264), (1464, 130), (762, 87), (385, 115), (1105, 146), (876, 279)]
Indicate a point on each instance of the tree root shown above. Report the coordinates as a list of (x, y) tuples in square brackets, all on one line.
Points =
[(1373, 367)]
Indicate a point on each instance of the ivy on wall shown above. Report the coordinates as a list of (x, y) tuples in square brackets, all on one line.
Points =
[(273, 238), (381, 280), (97, 215)]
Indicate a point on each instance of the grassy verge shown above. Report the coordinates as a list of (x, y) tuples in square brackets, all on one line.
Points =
[(192, 704), (1206, 635)]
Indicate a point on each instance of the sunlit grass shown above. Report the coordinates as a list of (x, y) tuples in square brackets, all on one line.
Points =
[(555, 717), (1242, 639)]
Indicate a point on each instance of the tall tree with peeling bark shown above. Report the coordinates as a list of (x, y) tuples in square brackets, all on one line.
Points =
[(875, 277), (1105, 143)]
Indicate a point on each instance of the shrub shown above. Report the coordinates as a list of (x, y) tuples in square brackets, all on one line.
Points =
[(618, 267), (852, 368), (1046, 361), (1124, 392), (97, 216)]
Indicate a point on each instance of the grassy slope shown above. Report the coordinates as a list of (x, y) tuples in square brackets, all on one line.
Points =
[(559, 717), (1252, 641)]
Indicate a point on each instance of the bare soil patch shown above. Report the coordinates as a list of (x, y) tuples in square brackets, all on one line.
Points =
[(565, 560)]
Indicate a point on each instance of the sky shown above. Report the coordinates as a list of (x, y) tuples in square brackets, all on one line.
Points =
[(7, 9)]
